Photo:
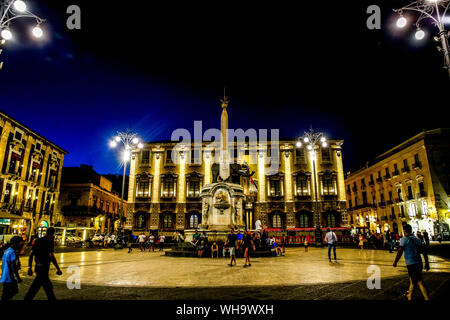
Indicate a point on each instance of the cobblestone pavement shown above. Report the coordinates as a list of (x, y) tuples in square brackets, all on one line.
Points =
[(110, 274)]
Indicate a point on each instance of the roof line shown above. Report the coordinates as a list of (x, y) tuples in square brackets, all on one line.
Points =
[(4, 114)]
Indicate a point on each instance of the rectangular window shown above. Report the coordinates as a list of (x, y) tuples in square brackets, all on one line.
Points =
[(422, 189), (328, 186), (364, 198), (18, 135), (390, 196), (356, 201), (416, 158), (38, 146), (374, 200), (410, 193), (145, 157), (168, 188), (169, 157), (350, 203), (300, 155), (326, 154), (143, 189), (275, 188), (194, 188), (302, 186)]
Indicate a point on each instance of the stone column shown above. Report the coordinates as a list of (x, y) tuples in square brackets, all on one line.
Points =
[(207, 161), (289, 204), (181, 192), (156, 192)]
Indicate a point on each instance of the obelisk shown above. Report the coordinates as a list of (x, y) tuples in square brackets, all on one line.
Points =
[(224, 165)]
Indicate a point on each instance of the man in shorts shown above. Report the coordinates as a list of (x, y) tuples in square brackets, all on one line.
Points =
[(412, 247), (232, 245)]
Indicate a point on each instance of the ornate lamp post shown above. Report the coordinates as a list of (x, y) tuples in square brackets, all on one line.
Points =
[(130, 143), (313, 139), (15, 9), (434, 10)]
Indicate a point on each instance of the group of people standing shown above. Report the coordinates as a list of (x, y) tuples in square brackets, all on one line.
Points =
[(147, 242)]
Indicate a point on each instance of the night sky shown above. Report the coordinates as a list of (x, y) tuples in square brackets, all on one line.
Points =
[(155, 66)]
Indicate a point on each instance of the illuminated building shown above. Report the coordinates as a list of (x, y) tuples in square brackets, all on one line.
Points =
[(164, 196), (30, 178), (407, 184), (88, 200)]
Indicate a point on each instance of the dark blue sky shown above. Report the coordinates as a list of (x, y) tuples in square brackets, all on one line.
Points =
[(164, 67)]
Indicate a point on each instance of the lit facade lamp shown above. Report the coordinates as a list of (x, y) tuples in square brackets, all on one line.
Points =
[(434, 11), (311, 140), (130, 142), (11, 10)]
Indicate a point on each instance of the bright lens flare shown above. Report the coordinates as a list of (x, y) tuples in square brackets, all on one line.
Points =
[(37, 32), (135, 140), (6, 34), (298, 144), (401, 22), (126, 155), (20, 6), (420, 34), (113, 144)]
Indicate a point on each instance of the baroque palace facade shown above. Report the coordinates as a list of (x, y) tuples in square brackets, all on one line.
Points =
[(408, 184), (30, 178), (164, 196)]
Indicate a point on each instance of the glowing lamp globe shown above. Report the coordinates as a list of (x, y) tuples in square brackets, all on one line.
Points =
[(6, 34), (20, 6), (401, 22), (420, 34), (37, 32)]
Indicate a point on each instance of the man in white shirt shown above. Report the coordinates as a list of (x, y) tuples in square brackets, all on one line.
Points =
[(141, 240), (331, 240), (162, 238)]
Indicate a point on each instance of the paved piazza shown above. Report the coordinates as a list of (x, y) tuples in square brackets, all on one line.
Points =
[(115, 274)]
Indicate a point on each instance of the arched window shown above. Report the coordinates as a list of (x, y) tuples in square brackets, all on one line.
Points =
[(276, 221), (168, 222), (303, 220), (193, 221)]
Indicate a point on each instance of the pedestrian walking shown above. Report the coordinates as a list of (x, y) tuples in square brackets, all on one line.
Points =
[(248, 244), (129, 244), (331, 240), (141, 240), (10, 268), (162, 239), (43, 254), (306, 245), (151, 239), (361, 242), (232, 244), (426, 239), (412, 247)]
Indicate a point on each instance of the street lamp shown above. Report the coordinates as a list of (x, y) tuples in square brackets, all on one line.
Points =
[(130, 142), (436, 11), (15, 9), (313, 139)]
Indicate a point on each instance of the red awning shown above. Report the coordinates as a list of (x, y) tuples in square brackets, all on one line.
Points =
[(15, 155)]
